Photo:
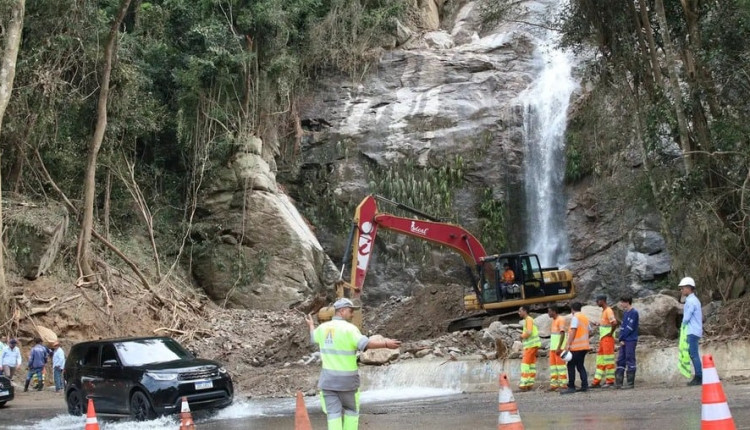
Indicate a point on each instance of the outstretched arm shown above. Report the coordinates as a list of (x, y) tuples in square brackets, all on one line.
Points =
[(385, 343)]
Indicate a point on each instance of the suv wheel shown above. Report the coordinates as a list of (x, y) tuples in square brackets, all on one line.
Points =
[(140, 407), (75, 403)]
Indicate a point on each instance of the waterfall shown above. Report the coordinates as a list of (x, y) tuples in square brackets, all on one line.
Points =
[(545, 118)]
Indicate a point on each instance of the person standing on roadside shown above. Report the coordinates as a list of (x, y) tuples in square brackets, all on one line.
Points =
[(578, 346), (605, 356), (531, 344), (339, 340), (558, 373), (11, 359), (58, 364), (37, 360), (628, 341), (691, 331)]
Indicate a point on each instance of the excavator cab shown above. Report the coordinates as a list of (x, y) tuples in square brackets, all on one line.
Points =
[(530, 282)]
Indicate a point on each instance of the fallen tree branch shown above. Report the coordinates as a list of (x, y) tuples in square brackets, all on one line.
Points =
[(40, 310), (94, 233)]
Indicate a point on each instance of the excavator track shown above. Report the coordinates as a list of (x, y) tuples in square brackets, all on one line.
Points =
[(472, 322)]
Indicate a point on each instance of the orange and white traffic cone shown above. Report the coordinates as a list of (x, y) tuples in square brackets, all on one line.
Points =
[(715, 414), (509, 418), (91, 422), (186, 418), (301, 419)]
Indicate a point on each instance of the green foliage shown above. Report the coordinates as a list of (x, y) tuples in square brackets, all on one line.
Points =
[(578, 164), (429, 189), (494, 215), (342, 38)]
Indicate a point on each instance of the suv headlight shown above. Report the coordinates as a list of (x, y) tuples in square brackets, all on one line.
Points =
[(222, 370), (162, 376)]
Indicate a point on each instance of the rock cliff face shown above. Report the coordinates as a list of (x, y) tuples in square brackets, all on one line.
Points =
[(445, 95), (455, 92), (251, 248)]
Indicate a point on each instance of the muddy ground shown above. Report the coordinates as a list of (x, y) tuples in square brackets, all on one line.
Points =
[(265, 351)]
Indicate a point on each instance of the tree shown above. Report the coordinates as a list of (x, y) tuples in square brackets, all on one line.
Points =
[(7, 74), (89, 184)]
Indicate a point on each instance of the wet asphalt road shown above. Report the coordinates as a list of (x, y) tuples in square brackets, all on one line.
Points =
[(660, 408)]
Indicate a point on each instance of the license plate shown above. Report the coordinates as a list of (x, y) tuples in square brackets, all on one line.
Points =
[(204, 385), (4, 393)]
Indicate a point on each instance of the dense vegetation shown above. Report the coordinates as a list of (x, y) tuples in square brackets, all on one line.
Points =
[(189, 80), (676, 74)]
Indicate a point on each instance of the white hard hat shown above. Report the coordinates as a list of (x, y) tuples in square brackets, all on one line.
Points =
[(566, 356), (687, 282)]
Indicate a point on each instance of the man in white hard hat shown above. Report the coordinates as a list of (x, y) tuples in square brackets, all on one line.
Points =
[(339, 340), (691, 330)]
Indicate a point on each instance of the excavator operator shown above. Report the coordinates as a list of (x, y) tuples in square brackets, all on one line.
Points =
[(508, 279), (508, 276)]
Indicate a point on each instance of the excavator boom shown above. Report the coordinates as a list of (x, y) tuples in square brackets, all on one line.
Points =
[(368, 220), (491, 290)]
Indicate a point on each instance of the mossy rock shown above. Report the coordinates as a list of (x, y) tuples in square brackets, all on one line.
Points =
[(34, 234)]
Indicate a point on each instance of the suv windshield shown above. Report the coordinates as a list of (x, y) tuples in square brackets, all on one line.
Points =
[(150, 351)]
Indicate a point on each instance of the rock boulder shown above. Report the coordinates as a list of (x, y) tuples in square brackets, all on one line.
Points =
[(659, 315), (378, 356), (35, 234), (251, 247)]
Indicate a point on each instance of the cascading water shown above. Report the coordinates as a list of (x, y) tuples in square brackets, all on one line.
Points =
[(545, 118)]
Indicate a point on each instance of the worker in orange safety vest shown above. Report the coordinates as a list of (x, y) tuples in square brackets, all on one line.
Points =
[(578, 346), (605, 356), (531, 344), (558, 372)]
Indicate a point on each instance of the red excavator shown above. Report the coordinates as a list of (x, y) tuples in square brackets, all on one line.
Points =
[(491, 292)]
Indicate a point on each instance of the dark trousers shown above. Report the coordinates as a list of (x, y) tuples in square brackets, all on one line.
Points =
[(34, 371), (577, 363), (626, 357), (692, 341)]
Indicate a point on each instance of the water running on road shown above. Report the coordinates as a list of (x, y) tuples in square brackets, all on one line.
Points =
[(240, 412)]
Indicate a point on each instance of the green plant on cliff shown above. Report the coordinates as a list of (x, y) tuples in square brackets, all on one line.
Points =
[(493, 214), (427, 189)]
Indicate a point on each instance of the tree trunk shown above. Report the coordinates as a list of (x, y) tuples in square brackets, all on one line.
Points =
[(107, 197), (89, 184), (648, 79), (650, 38), (674, 88), (700, 72), (12, 39)]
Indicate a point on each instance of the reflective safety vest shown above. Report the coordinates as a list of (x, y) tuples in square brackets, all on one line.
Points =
[(581, 340), (558, 325), (338, 341), (605, 325), (533, 341)]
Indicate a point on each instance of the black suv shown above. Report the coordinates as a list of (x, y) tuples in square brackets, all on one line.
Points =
[(142, 377), (6, 390)]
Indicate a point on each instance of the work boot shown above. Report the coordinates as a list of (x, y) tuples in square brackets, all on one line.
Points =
[(697, 380), (26, 386), (631, 379), (619, 376), (568, 391)]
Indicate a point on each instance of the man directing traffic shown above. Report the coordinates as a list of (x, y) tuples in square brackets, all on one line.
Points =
[(339, 340)]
